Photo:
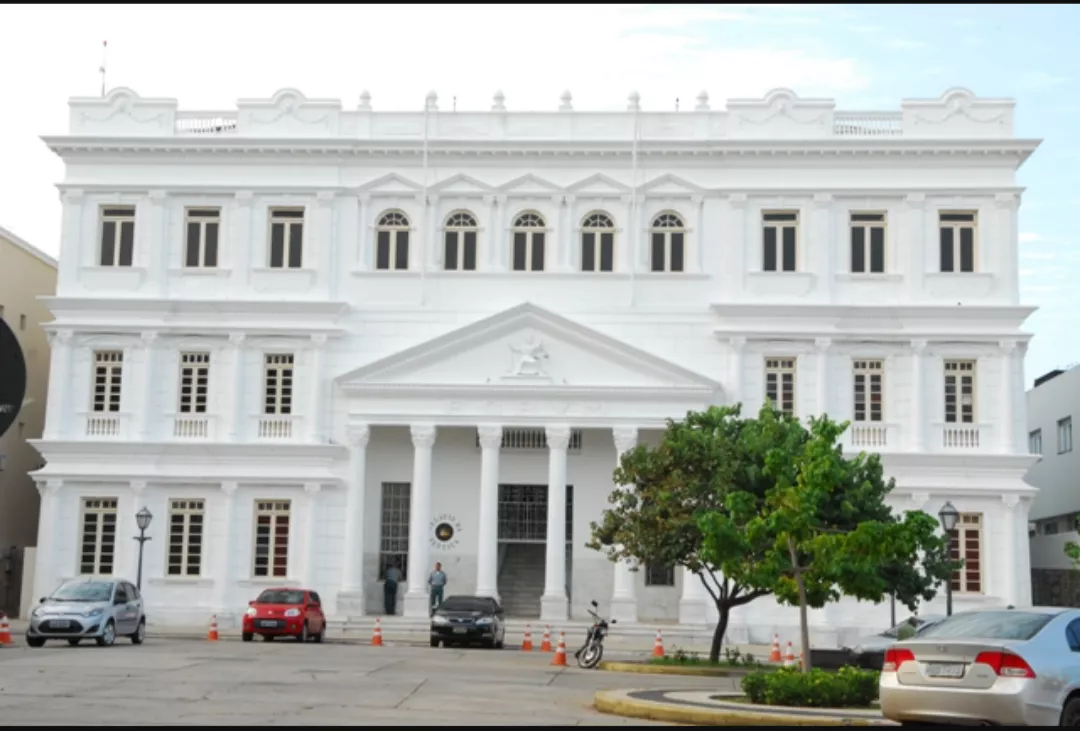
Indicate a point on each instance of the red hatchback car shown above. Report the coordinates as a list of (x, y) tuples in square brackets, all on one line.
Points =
[(285, 612)]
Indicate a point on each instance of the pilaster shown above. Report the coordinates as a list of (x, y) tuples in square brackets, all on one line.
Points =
[(918, 396), (417, 599), (223, 559), (150, 407), (554, 606), (237, 431), (624, 594), (350, 600)]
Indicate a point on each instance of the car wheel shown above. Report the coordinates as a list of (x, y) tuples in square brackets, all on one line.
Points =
[(320, 635), (108, 635), (247, 636), (140, 633), (303, 636), (35, 641), (1070, 715), (74, 643), (434, 643), (499, 644)]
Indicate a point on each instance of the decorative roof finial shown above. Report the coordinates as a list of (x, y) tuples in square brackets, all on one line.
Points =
[(566, 106), (702, 102), (365, 101), (432, 101), (634, 102), (497, 102)]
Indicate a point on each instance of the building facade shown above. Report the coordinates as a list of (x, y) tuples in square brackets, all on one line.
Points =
[(1051, 406), (26, 274), (317, 342)]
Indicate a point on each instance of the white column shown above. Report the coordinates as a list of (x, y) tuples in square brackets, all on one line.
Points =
[(696, 262), (149, 408), (692, 605), (822, 243), (350, 601), (913, 238), (492, 239), (624, 594), (72, 253), (918, 397), (321, 256), (236, 431), (58, 415), (554, 606), (45, 559), (738, 368), (1009, 391), (1011, 562), (417, 599), (365, 255), (224, 557), (487, 550), (822, 345), (1007, 243), (150, 236), (239, 249), (315, 410), (433, 251), (311, 534), (566, 235), (736, 275)]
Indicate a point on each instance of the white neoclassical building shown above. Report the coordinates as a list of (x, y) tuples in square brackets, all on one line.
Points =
[(317, 342)]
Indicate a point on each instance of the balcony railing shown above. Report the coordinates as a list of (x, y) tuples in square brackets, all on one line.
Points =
[(871, 435), (193, 426), (960, 436), (106, 425), (277, 426)]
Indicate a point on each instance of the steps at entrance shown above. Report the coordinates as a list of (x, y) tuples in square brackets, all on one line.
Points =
[(521, 579)]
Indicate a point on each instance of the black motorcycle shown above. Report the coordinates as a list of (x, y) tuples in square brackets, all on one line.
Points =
[(588, 656)]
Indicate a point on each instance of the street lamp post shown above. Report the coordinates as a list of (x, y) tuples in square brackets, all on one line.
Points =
[(142, 519), (949, 516)]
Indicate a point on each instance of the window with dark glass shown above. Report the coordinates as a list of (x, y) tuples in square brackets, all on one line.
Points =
[(668, 243), (597, 243), (392, 242), (957, 232), (117, 236), (867, 243), (528, 243), (780, 241), (286, 238), (201, 244), (459, 242)]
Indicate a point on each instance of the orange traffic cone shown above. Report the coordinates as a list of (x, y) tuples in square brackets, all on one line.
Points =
[(658, 646), (789, 657), (774, 653), (546, 645), (376, 635), (560, 652), (5, 630), (526, 645), (213, 633)]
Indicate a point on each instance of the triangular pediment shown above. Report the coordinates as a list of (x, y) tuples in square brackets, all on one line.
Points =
[(460, 184), (391, 184), (599, 184), (529, 184), (669, 184), (527, 347)]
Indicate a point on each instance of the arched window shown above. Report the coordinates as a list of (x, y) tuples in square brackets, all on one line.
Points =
[(597, 243), (668, 243), (529, 243), (392, 241), (459, 241)]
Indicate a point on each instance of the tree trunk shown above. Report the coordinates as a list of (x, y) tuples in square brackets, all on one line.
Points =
[(721, 629), (804, 625)]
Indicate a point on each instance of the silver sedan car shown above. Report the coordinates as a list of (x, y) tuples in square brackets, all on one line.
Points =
[(94, 608), (1008, 667)]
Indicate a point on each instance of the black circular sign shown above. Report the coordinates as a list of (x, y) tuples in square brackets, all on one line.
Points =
[(444, 532), (12, 377)]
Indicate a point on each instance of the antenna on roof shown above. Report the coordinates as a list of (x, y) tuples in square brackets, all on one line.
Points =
[(676, 104), (104, 48)]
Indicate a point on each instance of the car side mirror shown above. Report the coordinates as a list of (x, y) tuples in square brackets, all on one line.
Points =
[(41, 600), (593, 602), (251, 603)]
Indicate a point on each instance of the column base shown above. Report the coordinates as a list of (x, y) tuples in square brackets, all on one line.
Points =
[(692, 612), (416, 604), (554, 608), (350, 603), (624, 609)]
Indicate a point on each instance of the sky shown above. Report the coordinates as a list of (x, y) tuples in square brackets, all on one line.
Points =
[(864, 56)]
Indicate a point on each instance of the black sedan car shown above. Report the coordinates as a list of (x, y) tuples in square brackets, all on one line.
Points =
[(467, 620)]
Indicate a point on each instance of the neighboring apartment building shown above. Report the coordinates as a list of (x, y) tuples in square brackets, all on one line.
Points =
[(25, 275), (1053, 405), (316, 342)]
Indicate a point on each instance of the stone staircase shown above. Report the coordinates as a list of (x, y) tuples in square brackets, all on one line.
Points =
[(521, 579)]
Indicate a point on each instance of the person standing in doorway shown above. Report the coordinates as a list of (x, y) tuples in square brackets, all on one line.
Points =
[(437, 582), (393, 576)]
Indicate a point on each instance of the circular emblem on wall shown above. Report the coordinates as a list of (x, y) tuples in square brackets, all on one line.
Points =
[(12, 377), (444, 532)]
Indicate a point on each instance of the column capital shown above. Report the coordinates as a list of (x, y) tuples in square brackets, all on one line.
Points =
[(822, 344), (697, 200), (822, 200), (358, 435), (49, 487), (364, 198), (312, 488), (737, 342), (148, 339), (59, 337), (491, 436), (229, 488), (237, 339), (138, 486), (919, 500), (491, 200), (737, 200), (157, 197), (558, 200), (918, 346), (318, 340), (558, 436), (625, 438), (423, 435), (244, 198), (72, 195), (1007, 346), (1004, 200), (1010, 500), (326, 196), (915, 199)]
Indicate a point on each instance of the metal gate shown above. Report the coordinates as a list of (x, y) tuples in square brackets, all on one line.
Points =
[(523, 513)]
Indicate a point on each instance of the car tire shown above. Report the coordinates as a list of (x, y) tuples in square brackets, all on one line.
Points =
[(303, 636), (140, 633), (498, 644), (320, 635), (74, 643), (247, 636), (108, 635), (434, 643), (1070, 714), (35, 641)]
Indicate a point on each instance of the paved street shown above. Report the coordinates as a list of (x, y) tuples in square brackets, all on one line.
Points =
[(282, 683)]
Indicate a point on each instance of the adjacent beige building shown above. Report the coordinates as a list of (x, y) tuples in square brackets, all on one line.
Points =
[(25, 275)]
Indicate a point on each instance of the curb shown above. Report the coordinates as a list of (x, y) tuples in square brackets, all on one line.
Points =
[(699, 671), (618, 703)]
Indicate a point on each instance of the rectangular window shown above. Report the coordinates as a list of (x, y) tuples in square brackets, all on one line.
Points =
[(597, 251), (867, 243), (286, 238), (194, 382), (780, 383), (460, 251), (1065, 435), (780, 231), (394, 527), (1035, 441), (97, 544), (668, 251), (869, 390), (271, 556), (279, 384), (959, 392), (662, 575), (529, 251), (392, 249), (201, 247), (186, 519), (108, 380), (965, 542), (957, 231), (117, 236)]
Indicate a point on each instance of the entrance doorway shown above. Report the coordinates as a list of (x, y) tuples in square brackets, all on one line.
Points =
[(523, 545)]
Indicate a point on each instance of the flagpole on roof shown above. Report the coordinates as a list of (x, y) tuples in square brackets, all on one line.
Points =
[(104, 48)]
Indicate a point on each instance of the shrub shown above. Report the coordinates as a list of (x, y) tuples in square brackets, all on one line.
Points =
[(846, 688)]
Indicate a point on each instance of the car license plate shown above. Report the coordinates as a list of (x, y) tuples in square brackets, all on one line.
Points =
[(60, 624), (460, 630), (268, 623), (945, 670)]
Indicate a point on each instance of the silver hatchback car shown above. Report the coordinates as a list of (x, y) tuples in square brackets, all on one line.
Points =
[(93, 608)]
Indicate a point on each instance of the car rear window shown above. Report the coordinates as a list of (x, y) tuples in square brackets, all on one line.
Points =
[(280, 596), (996, 625), (466, 604)]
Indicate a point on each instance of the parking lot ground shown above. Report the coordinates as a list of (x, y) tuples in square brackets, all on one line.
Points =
[(284, 683)]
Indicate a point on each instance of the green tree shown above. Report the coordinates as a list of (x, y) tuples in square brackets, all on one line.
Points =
[(823, 529), (1072, 550)]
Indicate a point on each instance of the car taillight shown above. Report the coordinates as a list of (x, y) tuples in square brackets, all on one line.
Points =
[(1006, 664), (895, 657)]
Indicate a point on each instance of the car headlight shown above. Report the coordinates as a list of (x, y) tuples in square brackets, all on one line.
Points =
[(292, 612), (484, 620), (439, 620), (251, 612), (93, 612), (37, 612)]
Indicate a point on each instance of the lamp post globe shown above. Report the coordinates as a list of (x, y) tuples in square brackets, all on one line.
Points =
[(143, 518), (949, 517)]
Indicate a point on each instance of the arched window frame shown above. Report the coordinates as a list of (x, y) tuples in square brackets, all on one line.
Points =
[(528, 242), (461, 231), (598, 242), (667, 242), (392, 241)]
